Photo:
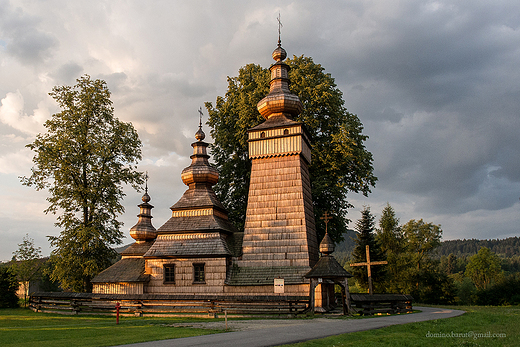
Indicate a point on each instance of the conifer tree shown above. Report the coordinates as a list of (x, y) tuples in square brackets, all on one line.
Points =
[(393, 245), (365, 228)]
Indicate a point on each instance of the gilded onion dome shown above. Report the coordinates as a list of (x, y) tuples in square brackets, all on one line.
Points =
[(280, 100), (144, 230), (199, 171)]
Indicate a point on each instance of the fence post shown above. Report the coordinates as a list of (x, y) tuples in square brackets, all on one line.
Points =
[(117, 312)]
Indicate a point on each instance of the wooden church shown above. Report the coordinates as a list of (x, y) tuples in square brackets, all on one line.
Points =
[(198, 251)]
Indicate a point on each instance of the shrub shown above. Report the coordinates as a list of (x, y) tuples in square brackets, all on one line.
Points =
[(8, 287), (504, 292)]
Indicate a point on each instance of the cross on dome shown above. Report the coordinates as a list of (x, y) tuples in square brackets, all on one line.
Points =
[(280, 25)]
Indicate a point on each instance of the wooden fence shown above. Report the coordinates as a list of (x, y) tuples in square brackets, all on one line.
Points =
[(167, 305)]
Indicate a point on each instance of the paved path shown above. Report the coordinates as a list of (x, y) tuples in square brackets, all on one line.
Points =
[(273, 332)]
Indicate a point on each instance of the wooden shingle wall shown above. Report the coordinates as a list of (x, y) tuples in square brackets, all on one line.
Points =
[(279, 227), (293, 289), (118, 288), (215, 274)]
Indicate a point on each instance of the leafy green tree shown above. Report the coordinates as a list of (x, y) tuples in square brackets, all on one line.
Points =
[(8, 288), (466, 291), (365, 228), (505, 291), (416, 267), (483, 268), (229, 120), (83, 160), (435, 286), (452, 264), (340, 161), (26, 263), (422, 239)]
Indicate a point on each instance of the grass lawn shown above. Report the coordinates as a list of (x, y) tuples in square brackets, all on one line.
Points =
[(22, 327), (503, 322)]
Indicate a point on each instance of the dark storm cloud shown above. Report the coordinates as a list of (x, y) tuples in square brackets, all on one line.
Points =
[(442, 78)]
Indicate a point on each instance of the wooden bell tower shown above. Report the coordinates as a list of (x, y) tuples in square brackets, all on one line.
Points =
[(279, 227)]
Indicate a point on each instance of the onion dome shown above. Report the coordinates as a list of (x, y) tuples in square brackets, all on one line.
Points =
[(327, 245), (279, 53), (144, 230), (280, 100), (199, 171)]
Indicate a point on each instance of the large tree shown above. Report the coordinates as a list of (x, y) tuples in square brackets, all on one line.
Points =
[(422, 238), (340, 161), (83, 160)]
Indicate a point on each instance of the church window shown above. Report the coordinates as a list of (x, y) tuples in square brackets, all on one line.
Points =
[(199, 273), (286, 131), (169, 273), (262, 134)]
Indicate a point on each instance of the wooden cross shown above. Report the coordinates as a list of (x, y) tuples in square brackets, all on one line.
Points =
[(326, 219), (368, 264), (200, 117), (280, 25)]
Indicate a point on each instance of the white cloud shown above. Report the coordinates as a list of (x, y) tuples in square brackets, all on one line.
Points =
[(13, 114), (435, 84), (16, 163)]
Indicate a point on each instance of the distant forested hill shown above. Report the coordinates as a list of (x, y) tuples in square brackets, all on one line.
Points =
[(506, 248), (345, 247)]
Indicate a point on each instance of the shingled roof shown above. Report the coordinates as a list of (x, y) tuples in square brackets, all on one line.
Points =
[(251, 276), (328, 267), (275, 122), (199, 196), (196, 224), (137, 248), (189, 245), (125, 270)]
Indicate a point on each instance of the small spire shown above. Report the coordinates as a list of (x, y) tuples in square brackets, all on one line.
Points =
[(200, 171), (144, 230), (326, 245), (199, 135), (146, 197), (280, 25)]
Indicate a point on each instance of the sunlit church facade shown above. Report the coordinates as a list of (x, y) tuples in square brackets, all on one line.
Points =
[(198, 250)]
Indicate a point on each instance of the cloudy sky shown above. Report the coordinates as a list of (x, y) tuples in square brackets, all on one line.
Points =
[(435, 83)]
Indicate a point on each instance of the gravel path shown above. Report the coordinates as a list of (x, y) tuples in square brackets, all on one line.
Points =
[(274, 332)]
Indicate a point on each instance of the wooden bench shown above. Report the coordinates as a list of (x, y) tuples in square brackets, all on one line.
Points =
[(367, 304)]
